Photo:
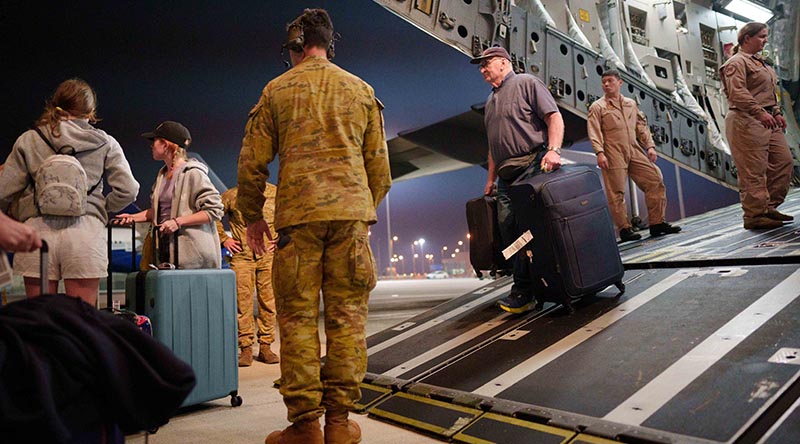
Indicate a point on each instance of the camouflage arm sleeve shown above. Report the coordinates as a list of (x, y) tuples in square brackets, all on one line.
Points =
[(376, 155), (594, 129), (221, 232), (258, 150)]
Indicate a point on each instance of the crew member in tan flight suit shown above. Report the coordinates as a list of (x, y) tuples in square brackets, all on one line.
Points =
[(754, 127), (326, 127), (253, 275), (618, 131)]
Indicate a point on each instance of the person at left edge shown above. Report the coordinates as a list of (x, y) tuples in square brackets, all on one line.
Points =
[(183, 199), (77, 243)]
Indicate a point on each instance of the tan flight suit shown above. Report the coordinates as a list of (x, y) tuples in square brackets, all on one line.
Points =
[(253, 272), (326, 127), (621, 132), (761, 155)]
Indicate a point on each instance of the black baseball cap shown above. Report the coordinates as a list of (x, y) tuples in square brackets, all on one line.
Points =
[(172, 131)]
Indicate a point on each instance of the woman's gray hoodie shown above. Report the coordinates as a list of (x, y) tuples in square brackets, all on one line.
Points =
[(99, 154), (198, 245)]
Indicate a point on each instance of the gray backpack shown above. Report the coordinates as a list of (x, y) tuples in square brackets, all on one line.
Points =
[(60, 183)]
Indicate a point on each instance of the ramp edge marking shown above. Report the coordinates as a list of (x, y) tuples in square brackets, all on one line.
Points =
[(650, 398), (516, 374), (779, 422), (446, 346), (436, 321)]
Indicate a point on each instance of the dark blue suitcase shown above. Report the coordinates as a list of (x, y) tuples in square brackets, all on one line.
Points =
[(574, 249)]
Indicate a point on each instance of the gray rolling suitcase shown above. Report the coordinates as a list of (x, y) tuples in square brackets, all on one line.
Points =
[(574, 249), (193, 312)]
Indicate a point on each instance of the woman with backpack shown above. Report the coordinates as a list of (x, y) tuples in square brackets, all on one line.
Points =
[(53, 183), (183, 201)]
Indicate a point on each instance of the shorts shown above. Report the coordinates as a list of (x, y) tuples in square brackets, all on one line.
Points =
[(76, 245)]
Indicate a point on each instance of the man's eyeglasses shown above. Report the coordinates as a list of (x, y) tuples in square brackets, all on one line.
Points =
[(485, 63)]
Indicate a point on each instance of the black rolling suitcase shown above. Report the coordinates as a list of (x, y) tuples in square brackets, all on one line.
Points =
[(485, 243), (574, 249)]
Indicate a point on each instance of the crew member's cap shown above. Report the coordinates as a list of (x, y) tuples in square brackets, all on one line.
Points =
[(172, 131), (494, 51)]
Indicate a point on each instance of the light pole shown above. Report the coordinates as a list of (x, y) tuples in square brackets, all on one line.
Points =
[(402, 264), (422, 252), (392, 240), (442, 253), (413, 258)]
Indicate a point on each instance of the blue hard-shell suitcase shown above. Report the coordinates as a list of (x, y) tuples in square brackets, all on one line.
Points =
[(193, 312), (574, 249)]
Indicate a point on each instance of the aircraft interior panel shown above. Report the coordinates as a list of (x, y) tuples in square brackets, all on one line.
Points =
[(557, 9), (586, 80), (659, 24), (559, 68), (585, 14), (535, 41), (684, 142)]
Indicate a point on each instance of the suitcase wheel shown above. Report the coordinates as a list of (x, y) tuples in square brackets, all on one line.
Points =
[(621, 287), (236, 400)]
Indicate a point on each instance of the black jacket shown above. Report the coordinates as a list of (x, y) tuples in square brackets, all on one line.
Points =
[(66, 367)]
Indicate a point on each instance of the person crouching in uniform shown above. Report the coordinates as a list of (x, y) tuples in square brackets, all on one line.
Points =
[(618, 131), (754, 126)]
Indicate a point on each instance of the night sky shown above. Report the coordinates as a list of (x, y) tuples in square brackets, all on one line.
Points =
[(204, 64)]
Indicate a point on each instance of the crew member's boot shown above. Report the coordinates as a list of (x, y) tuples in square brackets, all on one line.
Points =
[(266, 355), (340, 430), (304, 432), (245, 356)]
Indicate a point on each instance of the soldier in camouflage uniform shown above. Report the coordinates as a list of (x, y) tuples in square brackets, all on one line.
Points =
[(326, 127), (253, 274)]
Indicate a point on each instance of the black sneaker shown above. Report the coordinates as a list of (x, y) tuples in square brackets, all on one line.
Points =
[(517, 303), (627, 234), (663, 228)]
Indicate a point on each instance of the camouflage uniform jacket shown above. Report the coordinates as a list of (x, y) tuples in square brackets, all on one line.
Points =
[(326, 127), (236, 221)]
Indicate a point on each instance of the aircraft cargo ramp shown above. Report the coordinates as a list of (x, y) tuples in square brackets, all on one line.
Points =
[(703, 347)]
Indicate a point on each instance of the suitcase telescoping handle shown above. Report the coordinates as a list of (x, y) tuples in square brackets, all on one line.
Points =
[(44, 282), (173, 240)]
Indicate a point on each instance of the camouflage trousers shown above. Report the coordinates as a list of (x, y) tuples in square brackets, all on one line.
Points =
[(254, 277), (334, 258)]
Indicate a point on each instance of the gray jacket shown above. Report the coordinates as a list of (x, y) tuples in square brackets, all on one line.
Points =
[(99, 154), (198, 245)]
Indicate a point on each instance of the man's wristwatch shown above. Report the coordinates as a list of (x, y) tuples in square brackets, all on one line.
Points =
[(554, 148)]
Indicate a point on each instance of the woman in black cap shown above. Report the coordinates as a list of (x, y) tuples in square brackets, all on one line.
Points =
[(183, 202)]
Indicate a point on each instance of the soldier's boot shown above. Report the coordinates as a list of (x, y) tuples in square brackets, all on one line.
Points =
[(266, 355), (245, 356), (340, 430), (761, 223), (777, 215), (304, 432)]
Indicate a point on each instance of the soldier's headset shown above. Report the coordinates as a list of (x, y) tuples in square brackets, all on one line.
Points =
[(295, 41)]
